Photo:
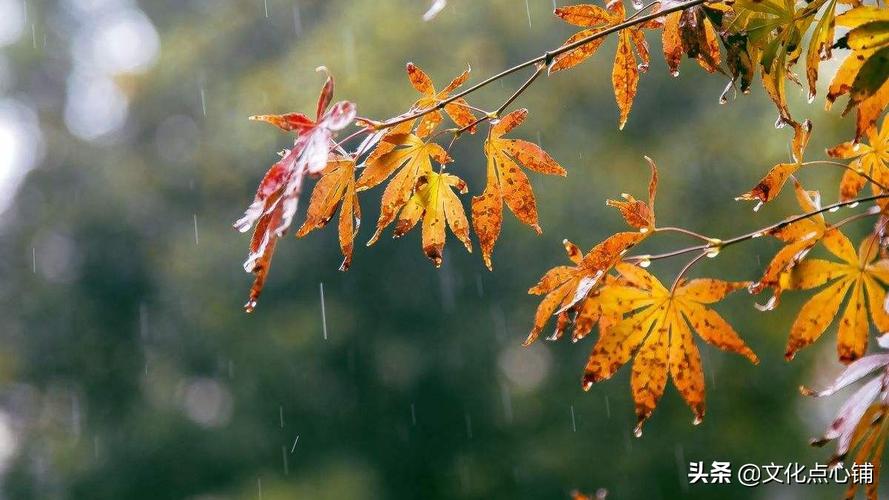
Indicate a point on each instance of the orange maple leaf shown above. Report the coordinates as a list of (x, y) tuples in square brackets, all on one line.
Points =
[(337, 186), (657, 332), (565, 287), (458, 110), (690, 32), (507, 183), (631, 42), (799, 238)]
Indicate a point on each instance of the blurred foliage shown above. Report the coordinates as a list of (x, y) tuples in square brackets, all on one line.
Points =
[(129, 369)]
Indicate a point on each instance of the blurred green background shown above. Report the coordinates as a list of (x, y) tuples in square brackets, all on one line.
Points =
[(128, 369)]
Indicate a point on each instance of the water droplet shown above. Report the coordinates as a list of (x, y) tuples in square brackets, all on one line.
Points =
[(713, 252), (644, 262), (758, 206), (833, 209), (625, 196), (758, 234), (853, 205), (768, 306), (643, 230), (697, 420), (638, 431), (674, 73)]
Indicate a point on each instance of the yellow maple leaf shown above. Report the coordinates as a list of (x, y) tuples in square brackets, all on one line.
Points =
[(657, 332), (412, 157), (857, 276), (799, 238), (436, 203), (871, 159)]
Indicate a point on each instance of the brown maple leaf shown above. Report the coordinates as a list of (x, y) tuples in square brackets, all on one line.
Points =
[(637, 213), (690, 32)]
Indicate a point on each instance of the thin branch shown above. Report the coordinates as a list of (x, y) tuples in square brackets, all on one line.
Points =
[(546, 59), (849, 168), (717, 245), (512, 98), (874, 210)]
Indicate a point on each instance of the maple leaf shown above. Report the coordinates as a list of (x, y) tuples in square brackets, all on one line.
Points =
[(638, 213), (436, 203), (774, 31), (863, 420), (820, 44), (566, 288), (690, 32), (657, 332), (857, 276), (571, 292), (507, 183), (799, 238), (631, 42), (412, 157), (864, 74), (458, 110), (770, 186), (336, 187), (275, 202), (871, 159)]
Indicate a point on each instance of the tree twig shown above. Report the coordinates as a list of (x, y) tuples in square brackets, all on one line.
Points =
[(716, 244)]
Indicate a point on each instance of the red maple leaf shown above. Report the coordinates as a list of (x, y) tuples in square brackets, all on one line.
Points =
[(276, 198)]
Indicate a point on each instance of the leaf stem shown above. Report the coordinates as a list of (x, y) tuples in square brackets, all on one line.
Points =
[(683, 231), (849, 168), (685, 269)]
